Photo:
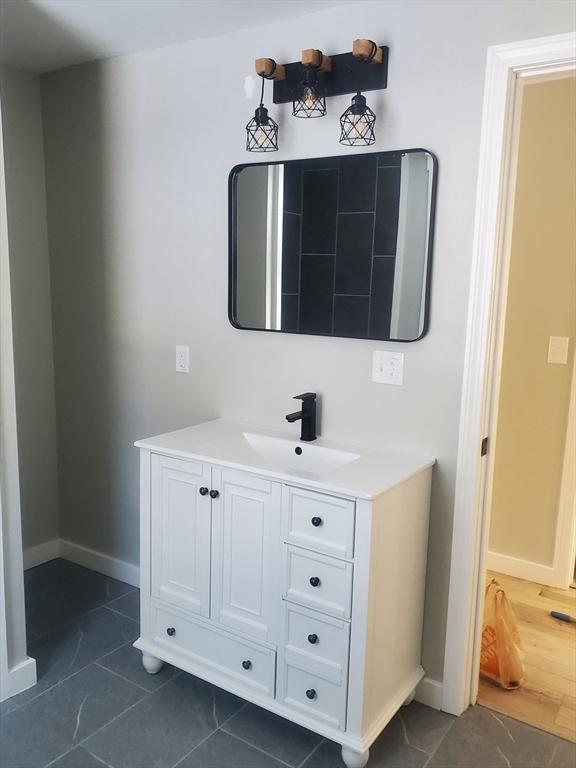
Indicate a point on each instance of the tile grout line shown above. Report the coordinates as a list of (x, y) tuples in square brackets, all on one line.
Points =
[(218, 727), (440, 743), (125, 679), (309, 755), (258, 749)]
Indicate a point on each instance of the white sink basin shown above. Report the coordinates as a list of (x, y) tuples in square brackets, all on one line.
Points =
[(295, 456)]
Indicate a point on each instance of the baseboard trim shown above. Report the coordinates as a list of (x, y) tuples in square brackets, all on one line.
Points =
[(42, 553), (19, 678), (521, 569), (429, 692), (98, 561), (89, 558)]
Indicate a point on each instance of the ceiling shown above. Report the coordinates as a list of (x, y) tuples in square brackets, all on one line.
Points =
[(42, 35)]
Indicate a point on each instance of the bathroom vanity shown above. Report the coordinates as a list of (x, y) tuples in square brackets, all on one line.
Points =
[(290, 574)]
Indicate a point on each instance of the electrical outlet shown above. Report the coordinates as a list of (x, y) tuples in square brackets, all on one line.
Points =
[(388, 367), (558, 349), (182, 359)]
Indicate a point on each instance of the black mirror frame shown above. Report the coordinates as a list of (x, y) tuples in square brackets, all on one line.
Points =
[(232, 247)]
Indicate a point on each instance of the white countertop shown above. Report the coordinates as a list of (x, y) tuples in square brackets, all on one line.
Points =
[(224, 442)]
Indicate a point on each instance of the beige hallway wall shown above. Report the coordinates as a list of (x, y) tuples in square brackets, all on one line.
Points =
[(534, 397)]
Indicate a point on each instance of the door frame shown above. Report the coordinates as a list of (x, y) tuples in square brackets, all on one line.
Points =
[(505, 66)]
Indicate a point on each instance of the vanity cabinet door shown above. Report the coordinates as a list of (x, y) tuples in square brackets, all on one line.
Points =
[(181, 533), (246, 553)]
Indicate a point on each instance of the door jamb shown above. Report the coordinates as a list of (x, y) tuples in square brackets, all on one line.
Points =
[(505, 64)]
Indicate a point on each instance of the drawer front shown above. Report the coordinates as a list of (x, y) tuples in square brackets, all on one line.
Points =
[(214, 649), (320, 582), (313, 638), (320, 522), (314, 696)]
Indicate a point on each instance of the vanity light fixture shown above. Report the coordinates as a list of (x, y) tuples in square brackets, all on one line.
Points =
[(312, 101), (357, 123), (262, 131)]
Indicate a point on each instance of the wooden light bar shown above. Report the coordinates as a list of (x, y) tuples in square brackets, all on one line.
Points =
[(269, 69), (367, 50), (312, 57)]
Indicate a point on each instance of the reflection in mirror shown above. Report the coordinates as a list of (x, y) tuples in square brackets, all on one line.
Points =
[(337, 246)]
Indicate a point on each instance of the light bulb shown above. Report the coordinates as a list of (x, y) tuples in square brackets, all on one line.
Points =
[(355, 126), (261, 137), (309, 97)]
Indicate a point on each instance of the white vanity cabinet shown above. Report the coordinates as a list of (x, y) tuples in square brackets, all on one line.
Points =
[(301, 593)]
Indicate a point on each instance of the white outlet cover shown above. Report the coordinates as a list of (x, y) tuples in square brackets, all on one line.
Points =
[(558, 349), (182, 359), (388, 367)]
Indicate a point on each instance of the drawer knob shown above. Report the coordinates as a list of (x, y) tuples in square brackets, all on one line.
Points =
[(315, 581), (316, 522), (214, 494), (247, 664), (171, 631), (203, 491), (311, 693), (313, 639)]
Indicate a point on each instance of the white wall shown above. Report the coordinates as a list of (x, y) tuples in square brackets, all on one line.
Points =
[(137, 179), (31, 306)]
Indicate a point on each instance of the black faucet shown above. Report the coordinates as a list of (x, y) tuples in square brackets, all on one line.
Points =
[(307, 415)]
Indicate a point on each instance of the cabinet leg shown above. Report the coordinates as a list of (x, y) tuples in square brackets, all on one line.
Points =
[(353, 759), (151, 664), (409, 699)]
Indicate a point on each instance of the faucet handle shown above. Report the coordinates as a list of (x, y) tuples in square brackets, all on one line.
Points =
[(305, 396)]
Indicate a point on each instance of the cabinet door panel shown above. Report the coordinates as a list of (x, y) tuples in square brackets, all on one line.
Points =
[(181, 534), (246, 553)]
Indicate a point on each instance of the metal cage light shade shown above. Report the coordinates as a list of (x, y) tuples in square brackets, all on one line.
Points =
[(262, 131), (312, 102), (357, 123)]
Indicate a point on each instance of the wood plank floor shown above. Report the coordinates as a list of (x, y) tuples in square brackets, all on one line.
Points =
[(547, 698)]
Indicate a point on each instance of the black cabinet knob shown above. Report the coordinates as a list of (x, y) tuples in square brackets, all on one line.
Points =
[(316, 522), (247, 664), (171, 631), (315, 581), (203, 491), (214, 494), (313, 639), (311, 693)]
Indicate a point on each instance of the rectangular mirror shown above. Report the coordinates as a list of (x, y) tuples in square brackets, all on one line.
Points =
[(334, 246)]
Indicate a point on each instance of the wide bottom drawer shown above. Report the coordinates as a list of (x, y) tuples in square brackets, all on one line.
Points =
[(315, 696), (242, 660)]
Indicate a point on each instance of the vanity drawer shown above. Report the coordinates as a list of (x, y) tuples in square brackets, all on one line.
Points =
[(314, 638), (314, 696), (252, 665), (318, 521), (321, 582)]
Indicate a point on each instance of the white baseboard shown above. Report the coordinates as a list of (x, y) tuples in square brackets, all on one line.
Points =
[(521, 569), (19, 678), (41, 553), (89, 558), (98, 561), (429, 692)]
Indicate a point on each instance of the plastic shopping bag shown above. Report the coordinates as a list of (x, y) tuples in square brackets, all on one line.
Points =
[(501, 654)]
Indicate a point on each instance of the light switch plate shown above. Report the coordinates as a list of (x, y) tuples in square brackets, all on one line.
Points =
[(388, 367), (558, 349), (182, 359)]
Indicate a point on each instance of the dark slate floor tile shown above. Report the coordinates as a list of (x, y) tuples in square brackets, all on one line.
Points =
[(53, 573), (224, 751), (58, 606), (129, 605), (77, 758), (127, 661), (62, 717), (275, 735), (484, 739), (165, 726), (563, 755), (425, 727), (8, 705), (63, 653)]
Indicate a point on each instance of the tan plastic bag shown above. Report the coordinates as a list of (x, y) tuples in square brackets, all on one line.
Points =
[(501, 655)]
